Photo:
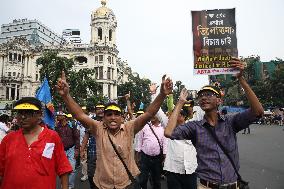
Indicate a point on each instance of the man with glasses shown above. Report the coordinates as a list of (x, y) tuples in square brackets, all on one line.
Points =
[(214, 168), (33, 156), (110, 172)]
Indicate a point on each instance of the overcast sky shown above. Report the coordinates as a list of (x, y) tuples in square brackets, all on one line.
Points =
[(155, 36)]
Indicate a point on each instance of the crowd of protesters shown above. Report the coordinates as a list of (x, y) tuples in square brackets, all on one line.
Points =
[(193, 146)]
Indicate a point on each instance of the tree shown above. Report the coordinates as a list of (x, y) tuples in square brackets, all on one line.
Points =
[(139, 91), (82, 84), (276, 89), (177, 89)]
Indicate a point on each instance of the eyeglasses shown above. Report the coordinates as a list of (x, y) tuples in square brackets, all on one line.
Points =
[(26, 113), (207, 94)]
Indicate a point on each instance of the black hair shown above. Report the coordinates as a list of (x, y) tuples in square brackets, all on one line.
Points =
[(4, 118), (30, 100)]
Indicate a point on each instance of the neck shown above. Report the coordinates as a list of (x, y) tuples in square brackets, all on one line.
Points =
[(114, 131), (211, 117), (32, 130)]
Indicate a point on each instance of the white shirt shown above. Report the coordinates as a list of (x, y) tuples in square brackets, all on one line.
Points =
[(181, 154), (3, 130)]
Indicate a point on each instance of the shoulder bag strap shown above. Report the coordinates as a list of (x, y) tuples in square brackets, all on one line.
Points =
[(161, 149), (223, 149), (120, 158)]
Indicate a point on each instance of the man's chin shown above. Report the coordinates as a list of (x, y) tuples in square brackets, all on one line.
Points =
[(113, 127)]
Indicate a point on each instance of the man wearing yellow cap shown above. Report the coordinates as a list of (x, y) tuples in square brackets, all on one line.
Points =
[(216, 169), (33, 156), (110, 171)]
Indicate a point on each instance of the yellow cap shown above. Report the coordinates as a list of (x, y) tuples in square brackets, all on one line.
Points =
[(113, 107), (84, 108), (140, 112), (100, 106), (26, 106), (69, 115)]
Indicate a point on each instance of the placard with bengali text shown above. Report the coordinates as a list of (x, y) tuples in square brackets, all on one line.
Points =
[(214, 41)]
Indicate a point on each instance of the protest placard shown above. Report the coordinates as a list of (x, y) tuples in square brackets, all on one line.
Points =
[(214, 41)]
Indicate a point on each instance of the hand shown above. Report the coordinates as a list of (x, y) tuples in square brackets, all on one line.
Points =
[(166, 86), (183, 95), (238, 64), (127, 96), (62, 86), (153, 88)]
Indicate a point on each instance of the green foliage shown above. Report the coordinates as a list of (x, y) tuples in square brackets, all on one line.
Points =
[(269, 89), (82, 85), (277, 87), (139, 91)]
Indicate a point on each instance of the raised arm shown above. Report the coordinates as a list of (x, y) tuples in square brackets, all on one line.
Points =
[(174, 116), (129, 108), (162, 117), (77, 112), (166, 88), (255, 105)]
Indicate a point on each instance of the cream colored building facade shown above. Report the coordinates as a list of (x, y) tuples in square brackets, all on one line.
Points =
[(20, 74)]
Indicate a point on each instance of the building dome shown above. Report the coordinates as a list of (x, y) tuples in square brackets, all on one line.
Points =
[(103, 11)]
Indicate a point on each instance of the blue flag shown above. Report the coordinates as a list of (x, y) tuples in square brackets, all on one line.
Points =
[(44, 96), (141, 107)]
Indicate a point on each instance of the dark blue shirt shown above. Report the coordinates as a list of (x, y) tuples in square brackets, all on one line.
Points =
[(213, 165)]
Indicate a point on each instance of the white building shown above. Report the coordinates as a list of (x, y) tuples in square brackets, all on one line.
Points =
[(20, 75), (71, 36)]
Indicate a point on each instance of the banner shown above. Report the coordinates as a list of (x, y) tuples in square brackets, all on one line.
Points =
[(214, 41), (44, 96)]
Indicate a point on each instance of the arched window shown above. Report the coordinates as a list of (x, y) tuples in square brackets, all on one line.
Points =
[(100, 33), (110, 35), (81, 60)]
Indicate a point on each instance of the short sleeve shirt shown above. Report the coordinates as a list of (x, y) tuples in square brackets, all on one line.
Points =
[(110, 172), (34, 166)]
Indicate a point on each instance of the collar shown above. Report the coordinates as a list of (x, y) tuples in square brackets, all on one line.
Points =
[(220, 118)]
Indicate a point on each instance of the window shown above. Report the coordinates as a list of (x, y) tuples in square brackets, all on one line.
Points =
[(13, 93), (36, 77), (15, 56), (7, 93), (101, 58), (100, 33), (18, 92), (109, 59), (9, 74), (110, 35), (109, 90), (108, 73), (10, 56), (97, 73), (101, 74), (96, 59), (19, 57), (14, 74), (81, 59)]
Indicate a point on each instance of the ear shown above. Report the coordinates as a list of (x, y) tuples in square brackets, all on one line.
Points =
[(219, 101)]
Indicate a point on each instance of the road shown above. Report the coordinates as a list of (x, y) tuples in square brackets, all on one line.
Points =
[(261, 158)]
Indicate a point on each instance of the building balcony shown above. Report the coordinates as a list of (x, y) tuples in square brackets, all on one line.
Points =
[(9, 79)]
